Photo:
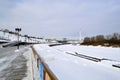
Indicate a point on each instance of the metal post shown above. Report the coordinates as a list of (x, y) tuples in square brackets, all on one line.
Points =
[(18, 30), (18, 41)]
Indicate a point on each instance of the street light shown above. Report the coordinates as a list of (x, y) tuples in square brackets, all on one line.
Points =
[(18, 30)]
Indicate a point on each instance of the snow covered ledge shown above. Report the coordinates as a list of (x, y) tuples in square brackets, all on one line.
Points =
[(45, 72)]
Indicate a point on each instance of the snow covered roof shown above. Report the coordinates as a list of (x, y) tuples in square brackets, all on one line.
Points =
[(69, 67)]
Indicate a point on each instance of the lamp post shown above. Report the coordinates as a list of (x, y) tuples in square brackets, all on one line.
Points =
[(18, 30), (26, 38)]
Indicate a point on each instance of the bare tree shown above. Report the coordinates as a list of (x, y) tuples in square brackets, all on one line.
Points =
[(100, 38), (87, 39)]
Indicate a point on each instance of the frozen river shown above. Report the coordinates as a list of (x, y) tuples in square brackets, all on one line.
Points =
[(76, 62)]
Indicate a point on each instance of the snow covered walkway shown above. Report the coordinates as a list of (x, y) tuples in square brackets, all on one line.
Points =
[(15, 64)]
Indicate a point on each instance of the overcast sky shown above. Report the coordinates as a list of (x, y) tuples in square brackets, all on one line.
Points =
[(61, 18)]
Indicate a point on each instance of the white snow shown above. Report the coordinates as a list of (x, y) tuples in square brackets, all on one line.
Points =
[(17, 50), (69, 67), (94, 51), (31, 67), (3, 40)]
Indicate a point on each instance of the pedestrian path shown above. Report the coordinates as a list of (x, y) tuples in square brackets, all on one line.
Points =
[(16, 64)]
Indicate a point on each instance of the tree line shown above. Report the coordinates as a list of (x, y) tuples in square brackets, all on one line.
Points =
[(108, 40)]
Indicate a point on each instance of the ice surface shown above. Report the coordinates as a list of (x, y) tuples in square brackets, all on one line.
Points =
[(95, 51)]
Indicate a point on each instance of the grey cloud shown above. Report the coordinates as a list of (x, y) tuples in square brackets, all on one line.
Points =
[(63, 18)]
